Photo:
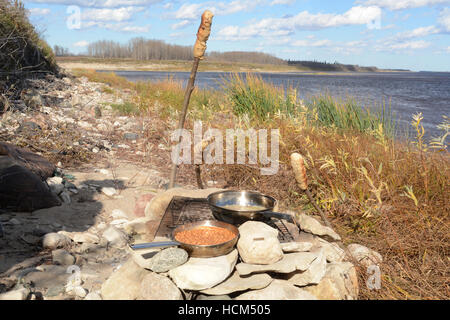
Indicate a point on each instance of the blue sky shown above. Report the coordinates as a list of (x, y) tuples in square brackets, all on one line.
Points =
[(409, 34)]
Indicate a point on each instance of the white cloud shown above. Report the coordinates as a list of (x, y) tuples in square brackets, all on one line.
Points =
[(402, 4), (99, 3), (288, 2), (302, 21), (418, 32), (120, 26), (118, 15), (193, 11), (306, 43), (181, 24), (39, 11), (410, 45), (82, 43), (444, 20), (448, 49)]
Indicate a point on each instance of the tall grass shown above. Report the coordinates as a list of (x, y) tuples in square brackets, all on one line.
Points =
[(258, 99)]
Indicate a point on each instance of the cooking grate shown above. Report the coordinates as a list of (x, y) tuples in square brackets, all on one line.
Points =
[(182, 210)]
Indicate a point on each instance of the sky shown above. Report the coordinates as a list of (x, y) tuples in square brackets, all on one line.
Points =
[(401, 34)]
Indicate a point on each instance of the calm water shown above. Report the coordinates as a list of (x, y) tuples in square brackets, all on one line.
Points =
[(405, 93)]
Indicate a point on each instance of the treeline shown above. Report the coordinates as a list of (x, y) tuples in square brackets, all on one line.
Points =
[(144, 49), (139, 49), (326, 66), (245, 56)]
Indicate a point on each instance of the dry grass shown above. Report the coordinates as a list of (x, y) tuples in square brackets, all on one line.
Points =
[(389, 195)]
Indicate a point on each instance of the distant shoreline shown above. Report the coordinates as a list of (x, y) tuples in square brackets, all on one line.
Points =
[(72, 63)]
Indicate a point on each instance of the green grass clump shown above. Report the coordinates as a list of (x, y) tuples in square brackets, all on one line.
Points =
[(349, 115), (256, 98), (126, 108)]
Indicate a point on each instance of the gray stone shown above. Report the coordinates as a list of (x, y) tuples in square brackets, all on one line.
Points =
[(55, 241), (333, 252), (55, 291), (93, 296), (55, 184), (115, 237), (258, 243), (296, 246), (367, 257), (62, 257), (240, 283), (277, 290), (291, 262), (311, 225), (168, 259), (109, 191), (313, 274), (203, 273), (18, 294), (130, 136), (158, 287), (205, 297), (124, 283), (339, 283)]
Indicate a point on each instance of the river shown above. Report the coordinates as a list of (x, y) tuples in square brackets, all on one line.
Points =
[(406, 93)]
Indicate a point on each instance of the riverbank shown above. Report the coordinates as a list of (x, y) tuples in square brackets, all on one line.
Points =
[(72, 63)]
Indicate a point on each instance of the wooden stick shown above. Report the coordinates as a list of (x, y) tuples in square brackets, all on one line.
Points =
[(199, 51)]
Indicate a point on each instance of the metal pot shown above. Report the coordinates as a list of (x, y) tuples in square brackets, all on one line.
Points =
[(219, 202), (198, 251)]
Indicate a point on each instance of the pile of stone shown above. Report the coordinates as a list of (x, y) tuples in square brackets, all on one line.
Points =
[(260, 268)]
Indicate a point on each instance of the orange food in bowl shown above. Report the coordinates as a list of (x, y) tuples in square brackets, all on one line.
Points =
[(205, 235)]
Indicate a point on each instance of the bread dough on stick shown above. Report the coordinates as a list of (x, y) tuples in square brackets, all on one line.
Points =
[(203, 34)]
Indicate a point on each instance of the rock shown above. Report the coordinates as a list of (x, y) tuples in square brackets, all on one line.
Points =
[(277, 290), (95, 150), (78, 291), (158, 287), (93, 296), (62, 257), (339, 283), (124, 283), (203, 273), (313, 274), (81, 237), (119, 223), (296, 246), (141, 203), (291, 262), (168, 259), (115, 237), (109, 191), (367, 257), (55, 184), (15, 221), (258, 243), (130, 136), (240, 283), (14, 155), (55, 291), (119, 214), (55, 241), (18, 294), (22, 190), (65, 197), (311, 225), (205, 297), (333, 252)]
